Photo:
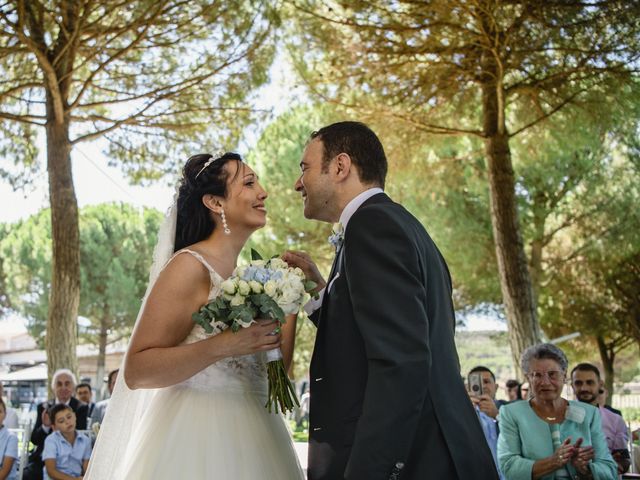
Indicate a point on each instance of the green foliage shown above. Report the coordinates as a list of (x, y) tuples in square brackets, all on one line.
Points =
[(487, 70), (158, 79), (116, 249), (444, 186), (425, 64), (631, 414), (26, 254), (300, 432)]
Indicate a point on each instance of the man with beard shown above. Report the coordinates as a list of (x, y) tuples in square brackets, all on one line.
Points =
[(387, 400), (586, 383)]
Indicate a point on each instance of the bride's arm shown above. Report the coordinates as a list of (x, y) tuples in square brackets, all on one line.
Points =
[(288, 340), (155, 357)]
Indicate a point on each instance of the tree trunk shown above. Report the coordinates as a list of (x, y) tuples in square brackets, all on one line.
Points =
[(102, 355), (61, 337), (537, 246), (515, 281), (608, 356)]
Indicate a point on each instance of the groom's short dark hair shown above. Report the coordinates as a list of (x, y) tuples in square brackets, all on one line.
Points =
[(360, 143)]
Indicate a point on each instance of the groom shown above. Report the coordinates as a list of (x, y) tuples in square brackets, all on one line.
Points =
[(387, 399)]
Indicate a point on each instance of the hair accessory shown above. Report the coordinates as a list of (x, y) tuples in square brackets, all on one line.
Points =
[(214, 157)]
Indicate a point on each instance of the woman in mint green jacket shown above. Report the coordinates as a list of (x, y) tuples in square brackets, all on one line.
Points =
[(548, 437)]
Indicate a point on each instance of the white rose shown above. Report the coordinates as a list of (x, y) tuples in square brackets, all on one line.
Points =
[(278, 264), (256, 287), (237, 300), (228, 286), (289, 294), (258, 263), (243, 288), (298, 271), (270, 288)]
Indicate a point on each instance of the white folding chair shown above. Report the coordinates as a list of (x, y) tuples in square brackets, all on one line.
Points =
[(23, 447)]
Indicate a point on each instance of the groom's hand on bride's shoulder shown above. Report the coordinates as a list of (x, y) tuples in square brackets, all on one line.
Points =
[(303, 261)]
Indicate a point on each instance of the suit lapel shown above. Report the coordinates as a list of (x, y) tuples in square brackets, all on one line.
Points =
[(337, 260)]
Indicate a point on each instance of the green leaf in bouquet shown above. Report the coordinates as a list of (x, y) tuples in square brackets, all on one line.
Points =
[(255, 255), (217, 306), (242, 314), (214, 310), (203, 321), (268, 306), (309, 285)]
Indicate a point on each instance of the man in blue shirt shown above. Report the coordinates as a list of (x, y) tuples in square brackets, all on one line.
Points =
[(487, 408)]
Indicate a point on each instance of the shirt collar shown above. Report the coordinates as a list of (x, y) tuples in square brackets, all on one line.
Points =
[(355, 203)]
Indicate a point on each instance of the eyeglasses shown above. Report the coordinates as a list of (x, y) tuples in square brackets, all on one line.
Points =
[(552, 375)]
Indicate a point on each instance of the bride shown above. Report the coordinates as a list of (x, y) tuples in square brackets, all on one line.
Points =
[(191, 405)]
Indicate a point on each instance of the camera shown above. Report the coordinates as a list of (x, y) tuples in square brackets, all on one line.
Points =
[(475, 384)]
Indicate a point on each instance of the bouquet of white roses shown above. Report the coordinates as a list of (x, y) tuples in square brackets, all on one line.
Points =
[(262, 289)]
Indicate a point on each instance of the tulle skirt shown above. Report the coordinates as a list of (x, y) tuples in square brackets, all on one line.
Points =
[(191, 434)]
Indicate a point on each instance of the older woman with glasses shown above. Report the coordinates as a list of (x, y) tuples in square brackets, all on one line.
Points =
[(548, 437)]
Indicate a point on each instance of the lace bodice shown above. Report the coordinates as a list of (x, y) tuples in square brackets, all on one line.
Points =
[(246, 373)]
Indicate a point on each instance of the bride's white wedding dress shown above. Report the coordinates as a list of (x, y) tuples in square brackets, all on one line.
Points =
[(213, 425)]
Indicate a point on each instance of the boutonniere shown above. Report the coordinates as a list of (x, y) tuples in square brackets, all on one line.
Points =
[(336, 239)]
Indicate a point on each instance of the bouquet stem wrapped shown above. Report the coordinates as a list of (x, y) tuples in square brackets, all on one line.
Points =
[(282, 393), (263, 289)]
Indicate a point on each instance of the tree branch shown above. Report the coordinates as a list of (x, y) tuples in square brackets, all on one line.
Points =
[(30, 119)]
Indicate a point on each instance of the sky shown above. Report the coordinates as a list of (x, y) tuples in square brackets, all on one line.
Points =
[(95, 182)]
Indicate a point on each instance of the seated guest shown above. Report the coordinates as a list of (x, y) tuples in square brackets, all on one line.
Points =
[(11, 417), (602, 401), (101, 407), (487, 402), (524, 391), (549, 437), (84, 394), (484, 400), (586, 383), (8, 449), (513, 390), (63, 384), (66, 452)]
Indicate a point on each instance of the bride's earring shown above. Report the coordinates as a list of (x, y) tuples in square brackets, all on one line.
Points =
[(224, 223)]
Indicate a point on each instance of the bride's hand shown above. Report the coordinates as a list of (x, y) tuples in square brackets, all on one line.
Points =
[(258, 337), (303, 261)]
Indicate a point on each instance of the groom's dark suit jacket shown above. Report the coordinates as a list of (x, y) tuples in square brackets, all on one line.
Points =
[(387, 398)]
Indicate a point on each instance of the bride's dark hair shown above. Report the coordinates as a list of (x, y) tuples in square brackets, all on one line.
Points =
[(195, 221)]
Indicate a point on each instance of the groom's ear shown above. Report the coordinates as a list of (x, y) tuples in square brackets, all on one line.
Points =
[(212, 202), (343, 165)]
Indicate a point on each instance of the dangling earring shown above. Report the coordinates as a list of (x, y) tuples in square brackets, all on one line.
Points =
[(224, 223)]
